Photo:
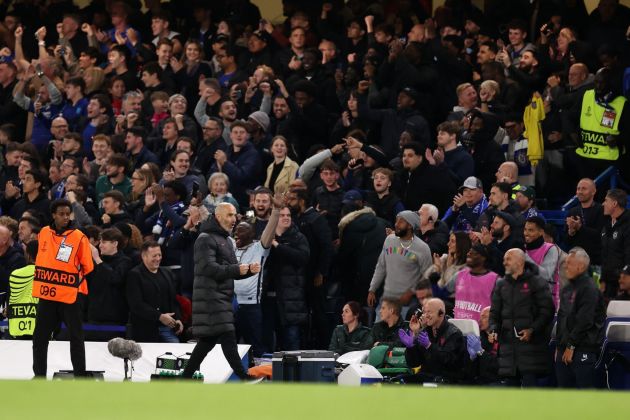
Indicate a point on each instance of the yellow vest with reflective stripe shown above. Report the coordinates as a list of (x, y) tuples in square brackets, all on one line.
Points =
[(593, 132), (22, 309)]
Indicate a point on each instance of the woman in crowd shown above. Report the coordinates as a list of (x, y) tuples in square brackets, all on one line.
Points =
[(351, 335), (190, 70), (443, 272), (219, 185), (283, 170)]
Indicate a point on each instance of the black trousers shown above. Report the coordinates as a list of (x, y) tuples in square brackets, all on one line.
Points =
[(230, 351), (49, 317)]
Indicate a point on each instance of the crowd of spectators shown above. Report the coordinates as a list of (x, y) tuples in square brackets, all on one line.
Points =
[(413, 150)]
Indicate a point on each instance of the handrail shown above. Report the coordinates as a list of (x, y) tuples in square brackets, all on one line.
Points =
[(611, 172)]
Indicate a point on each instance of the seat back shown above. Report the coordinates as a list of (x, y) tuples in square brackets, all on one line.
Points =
[(618, 309), (466, 326)]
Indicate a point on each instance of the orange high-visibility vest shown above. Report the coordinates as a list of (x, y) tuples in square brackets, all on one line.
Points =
[(61, 265)]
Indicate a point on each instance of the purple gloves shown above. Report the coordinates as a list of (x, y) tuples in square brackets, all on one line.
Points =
[(406, 338), (473, 345), (423, 339)]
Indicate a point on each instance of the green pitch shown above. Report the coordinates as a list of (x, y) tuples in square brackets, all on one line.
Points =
[(180, 401)]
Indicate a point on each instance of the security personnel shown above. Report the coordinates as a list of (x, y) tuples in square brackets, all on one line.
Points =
[(63, 260), (22, 308), (602, 122)]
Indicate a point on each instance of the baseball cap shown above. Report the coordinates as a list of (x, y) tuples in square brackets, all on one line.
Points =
[(471, 183), (411, 92), (626, 270), (528, 192), (351, 196)]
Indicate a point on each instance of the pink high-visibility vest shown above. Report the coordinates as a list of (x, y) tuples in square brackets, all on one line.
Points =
[(473, 293), (538, 255)]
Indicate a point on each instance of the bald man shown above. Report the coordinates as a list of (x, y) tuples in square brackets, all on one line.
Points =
[(508, 173), (437, 345), (216, 268), (521, 317), (585, 221)]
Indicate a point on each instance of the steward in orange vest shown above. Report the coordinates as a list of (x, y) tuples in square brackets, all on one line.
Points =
[(63, 260)]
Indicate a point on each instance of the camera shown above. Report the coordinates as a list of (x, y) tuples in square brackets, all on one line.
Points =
[(418, 313)]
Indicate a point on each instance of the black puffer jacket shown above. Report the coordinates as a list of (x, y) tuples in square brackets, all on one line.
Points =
[(216, 268), (285, 276), (519, 304), (361, 236)]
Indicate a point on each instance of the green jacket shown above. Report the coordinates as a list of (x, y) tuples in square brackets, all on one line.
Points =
[(343, 341)]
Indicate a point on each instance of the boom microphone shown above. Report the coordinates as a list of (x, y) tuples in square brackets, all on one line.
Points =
[(125, 349)]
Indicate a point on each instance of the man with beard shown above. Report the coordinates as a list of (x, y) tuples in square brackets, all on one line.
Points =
[(500, 201), (114, 178), (526, 72), (262, 209), (402, 262), (500, 238), (521, 317), (544, 254)]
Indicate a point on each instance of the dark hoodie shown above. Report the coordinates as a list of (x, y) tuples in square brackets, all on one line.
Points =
[(11, 260)]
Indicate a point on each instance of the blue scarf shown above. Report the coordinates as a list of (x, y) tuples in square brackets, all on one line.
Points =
[(463, 222)]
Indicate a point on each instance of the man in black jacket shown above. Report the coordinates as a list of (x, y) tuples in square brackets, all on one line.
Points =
[(385, 332), (284, 299), (216, 268), (151, 297), (521, 315), (437, 345), (580, 329), (316, 228), (418, 177), (615, 240), (586, 220), (107, 301)]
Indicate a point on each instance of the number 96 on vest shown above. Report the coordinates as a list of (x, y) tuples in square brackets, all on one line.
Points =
[(47, 291)]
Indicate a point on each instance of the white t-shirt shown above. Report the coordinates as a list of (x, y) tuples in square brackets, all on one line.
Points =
[(249, 290)]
